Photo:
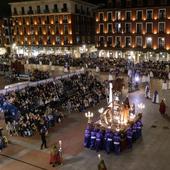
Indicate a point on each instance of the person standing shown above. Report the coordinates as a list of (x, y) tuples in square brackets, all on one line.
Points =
[(147, 92), (53, 155), (43, 133), (155, 98), (162, 108)]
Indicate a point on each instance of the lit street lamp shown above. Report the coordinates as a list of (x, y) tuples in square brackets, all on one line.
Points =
[(89, 115)]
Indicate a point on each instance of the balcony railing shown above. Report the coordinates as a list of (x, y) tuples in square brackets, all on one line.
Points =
[(64, 10)]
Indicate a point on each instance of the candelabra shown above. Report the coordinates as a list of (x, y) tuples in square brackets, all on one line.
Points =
[(60, 151), (89, 115), (141, 106)]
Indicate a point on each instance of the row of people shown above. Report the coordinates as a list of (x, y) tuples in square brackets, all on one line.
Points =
[(109, 141)]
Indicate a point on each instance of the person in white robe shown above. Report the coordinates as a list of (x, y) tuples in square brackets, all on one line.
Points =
[(147, 92)]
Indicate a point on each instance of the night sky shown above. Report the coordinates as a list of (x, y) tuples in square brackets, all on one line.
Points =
[(5, 8)]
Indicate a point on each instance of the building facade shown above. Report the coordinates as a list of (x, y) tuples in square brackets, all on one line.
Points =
[(5, 38), (52, 26), (137, 29)]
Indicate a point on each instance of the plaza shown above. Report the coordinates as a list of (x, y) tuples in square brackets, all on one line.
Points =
[(150, 152), (84, 85)]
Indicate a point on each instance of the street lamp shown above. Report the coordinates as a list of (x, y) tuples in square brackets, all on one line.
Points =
[(89, 115)]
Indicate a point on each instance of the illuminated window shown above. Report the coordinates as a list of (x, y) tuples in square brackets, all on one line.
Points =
[(109, 41), (128, 15), (148, 42), (139, 41), (162, 13), (118, 27), (109, 28), (101, 16), (127, 41), (161, 27), (161, 42), (58, 40), (149, 27), (149, 14), (109, 16), (139, 15), (101, 26), (127, 27), (138, 28), (117, 15), (101, 40), (117, 41)]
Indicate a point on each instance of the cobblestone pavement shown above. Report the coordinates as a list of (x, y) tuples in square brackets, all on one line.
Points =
[(152, 152)]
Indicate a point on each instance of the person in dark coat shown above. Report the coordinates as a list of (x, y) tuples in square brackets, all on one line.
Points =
[(43, 133), (162, 108)]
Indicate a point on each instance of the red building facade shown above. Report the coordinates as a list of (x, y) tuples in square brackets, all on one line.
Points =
[(140, 29)]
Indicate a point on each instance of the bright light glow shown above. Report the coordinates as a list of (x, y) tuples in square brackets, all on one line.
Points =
[(89, 115), (99, 156), (141, 106), (149, 39), (137, 78), (101, 110), (14, 45)]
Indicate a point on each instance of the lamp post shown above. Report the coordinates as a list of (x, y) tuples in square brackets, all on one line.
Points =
[(89, 115)]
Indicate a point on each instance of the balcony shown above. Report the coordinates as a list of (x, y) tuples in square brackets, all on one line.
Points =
[(127, 46), (109, 44), (15, 13), (101, 44), (65, 21), (117, 46), (46, 11), (161, 46), (77, 11), (161, 32), (149, 18), (64, 10), (162, 17), (66, 42), (66, 32), (55, 10), (39, 11), (127, 32), (30, 12)]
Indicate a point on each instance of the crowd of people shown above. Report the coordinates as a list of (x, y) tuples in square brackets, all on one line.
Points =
[(37, 75), (159, 69), (31, 123), (38, 105), (104, 64)]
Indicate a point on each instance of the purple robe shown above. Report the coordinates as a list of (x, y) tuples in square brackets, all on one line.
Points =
[(108, 141), (116, 141)]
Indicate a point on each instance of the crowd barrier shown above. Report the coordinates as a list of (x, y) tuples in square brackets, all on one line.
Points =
[(22, 85)]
